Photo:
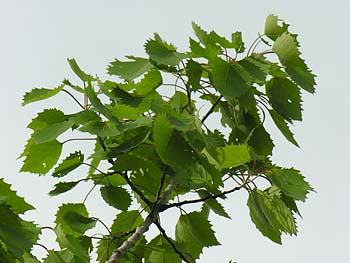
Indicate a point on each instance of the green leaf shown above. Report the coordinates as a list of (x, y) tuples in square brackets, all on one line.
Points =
[(286, 48), (10, 198), (272, 29), (194, 73), (77, 70), (47, 118), (237, 42), (17, 236), (283, 127), (84, 116), (261, 141), (230, 79), (162, 131), (73, 219), (129, 70), (101, 128), (40, 94), (257, 67), (233, 155), (213, 204), (51, 132), (63, 256), (163, 53), (40, 158), (291, 183), (285, 98), (117, 197), (151, 81), (200, 229), (186, 242), (260, 220), (73, 161), (160, 251), (126, 222), (62, 187), (76, 246)]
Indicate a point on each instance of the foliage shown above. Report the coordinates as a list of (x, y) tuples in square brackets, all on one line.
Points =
[(154, 145)]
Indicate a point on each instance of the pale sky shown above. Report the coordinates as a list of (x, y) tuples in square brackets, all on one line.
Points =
[(37, 37)]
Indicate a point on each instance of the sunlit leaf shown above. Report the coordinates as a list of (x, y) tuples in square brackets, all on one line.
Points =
[(40, 94)]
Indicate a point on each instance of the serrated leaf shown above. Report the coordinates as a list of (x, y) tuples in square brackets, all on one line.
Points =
[(272, 29), (237, 42), (129, 70), (257, 67), (230, 79), (40, 158), (260, 220), (285, 98), (213, 204), (38, 94), (11, 228), (62, 187), (59, 257), (194, 73), (159, 250), (261, 141), (186, 242), (123, 112), (151, 81), (77, 70), (71, 162), (76, 246), (126, 222), (291, 182), (163, 53), (51, 132), (283, 127), (73, 219), (84, 117), (286, 48), (47, 118), (10, 198), (233, 155), (116, 197), (201, 229)]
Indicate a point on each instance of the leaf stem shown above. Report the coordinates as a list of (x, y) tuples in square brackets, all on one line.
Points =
[(74, 98), (210, 111)]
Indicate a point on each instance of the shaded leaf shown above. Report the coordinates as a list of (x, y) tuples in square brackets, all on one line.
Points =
[(213, 204), (261, 141), (117, 197), (194, 73), (10, 198), (73, 161), (51, 132), (158, 250), (62, 187)]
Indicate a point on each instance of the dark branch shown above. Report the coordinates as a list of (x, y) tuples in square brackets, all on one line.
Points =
[(74, 98), (210, 111)]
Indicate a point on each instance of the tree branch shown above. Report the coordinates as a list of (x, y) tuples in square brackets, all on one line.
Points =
[(210, 111), (168, 239), (143, 228)]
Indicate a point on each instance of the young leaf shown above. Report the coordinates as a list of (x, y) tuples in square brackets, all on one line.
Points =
[(129, 70), (291, 183), (40, 158), (151, 81), (62, 187), (77, 70), (201, 230), (233, 155), (286, 48), (40, 94), (10, 198), (117, 197), (230, 79), (272, 29), (73, 161), (163, 53), (283, 127), (285, 98)]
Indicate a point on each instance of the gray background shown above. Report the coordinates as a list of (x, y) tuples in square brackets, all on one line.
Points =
[(38, 36)]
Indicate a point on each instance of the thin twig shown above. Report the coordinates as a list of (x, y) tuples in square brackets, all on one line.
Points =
[(74, 98), (210, 111)]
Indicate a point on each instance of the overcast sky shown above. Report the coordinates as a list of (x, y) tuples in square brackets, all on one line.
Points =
[(37, 37)]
